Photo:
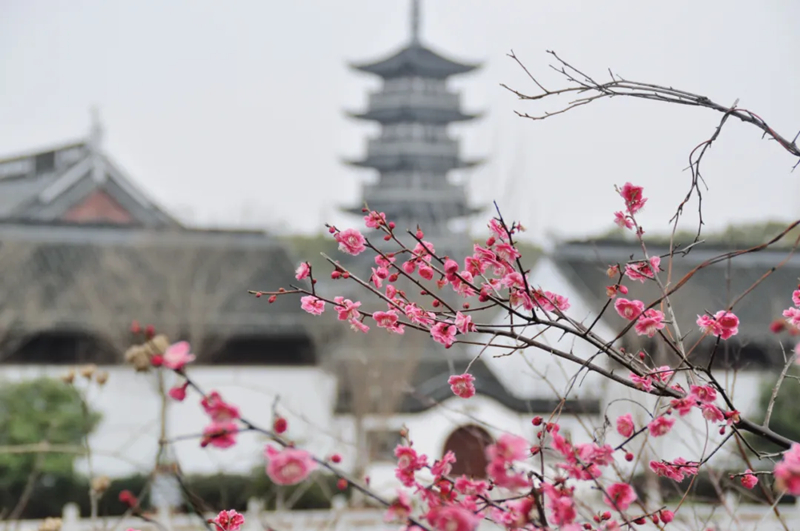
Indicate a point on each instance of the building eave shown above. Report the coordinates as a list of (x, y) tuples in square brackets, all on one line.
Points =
[(407, 114), (415, 60)]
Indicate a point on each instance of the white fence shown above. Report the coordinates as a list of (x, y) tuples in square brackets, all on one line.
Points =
[(690, 518)]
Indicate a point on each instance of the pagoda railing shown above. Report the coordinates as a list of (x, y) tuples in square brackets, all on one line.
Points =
[(441, 148), (384, 191), (390, 100)]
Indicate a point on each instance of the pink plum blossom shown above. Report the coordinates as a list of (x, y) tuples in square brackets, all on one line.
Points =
[(749, 480), (221, 434), (177, 356), (629, 310), (444, 333), (625, 425), (453, 518), (623, 221), (462, 385), (374, 219), (288, 466), (633, 196), (787, 471), (400, 509), (620, 496), (388, 320), (303, 270), (650, 322), (723, 324), (464, 323), (218, 409), (643, 270), (312, 305), (229, 521), (351, 242), (660, 426)]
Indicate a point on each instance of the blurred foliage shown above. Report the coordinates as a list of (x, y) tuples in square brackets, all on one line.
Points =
[(50, 493), (230, 491), (785, 412), (233, 491), (741, 235), (36, 411)]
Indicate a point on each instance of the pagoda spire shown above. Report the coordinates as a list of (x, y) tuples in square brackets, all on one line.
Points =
[(95, 146), (415, 21)]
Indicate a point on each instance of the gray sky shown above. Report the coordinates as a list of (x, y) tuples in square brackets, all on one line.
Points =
[(232, 112)]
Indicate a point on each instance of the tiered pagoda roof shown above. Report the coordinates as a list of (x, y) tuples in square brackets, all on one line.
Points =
[(414, 153), (415, 60)]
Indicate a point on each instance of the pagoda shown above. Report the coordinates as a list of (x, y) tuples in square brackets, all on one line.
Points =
[(414, 152)]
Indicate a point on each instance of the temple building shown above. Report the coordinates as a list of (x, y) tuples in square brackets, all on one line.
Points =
[(84, 252), (415, 153)]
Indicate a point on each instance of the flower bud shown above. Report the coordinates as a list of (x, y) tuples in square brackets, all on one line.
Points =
[(101, 377), (159, 344), (100, 484)]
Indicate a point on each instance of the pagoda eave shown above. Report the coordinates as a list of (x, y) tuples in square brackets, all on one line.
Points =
[(415, 60), (413, 162), (410, 114), (394, 210)]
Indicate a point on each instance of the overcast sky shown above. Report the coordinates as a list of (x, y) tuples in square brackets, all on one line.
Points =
[(233, 112)]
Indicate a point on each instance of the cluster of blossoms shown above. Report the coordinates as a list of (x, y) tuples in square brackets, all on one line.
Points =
[(285, 467), (722, 324), (492, 274), (222, 430), (634, 202), (792, 316), (489, 274), (460, 504)]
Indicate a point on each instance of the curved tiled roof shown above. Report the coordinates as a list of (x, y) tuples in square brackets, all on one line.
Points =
[(415, 60), (428, 387), (709, 290)]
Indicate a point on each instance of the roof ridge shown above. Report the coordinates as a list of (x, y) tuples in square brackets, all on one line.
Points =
[(40, 151)]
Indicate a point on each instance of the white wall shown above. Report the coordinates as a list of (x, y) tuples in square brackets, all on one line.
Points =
[(430, 429), (127, 438)]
